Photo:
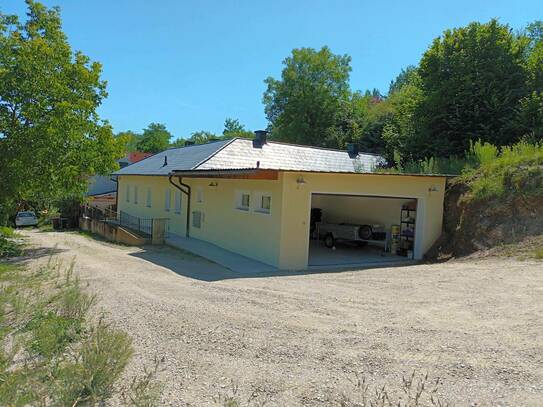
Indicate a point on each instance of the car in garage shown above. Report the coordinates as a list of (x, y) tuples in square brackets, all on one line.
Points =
[(26, 218)]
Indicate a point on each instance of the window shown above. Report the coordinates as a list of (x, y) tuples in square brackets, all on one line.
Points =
[(167, 199), (243, 200), (199, 195), (127, 193), (149, 198), (263, 202), (197, 219), (177, 203), (135, 194)]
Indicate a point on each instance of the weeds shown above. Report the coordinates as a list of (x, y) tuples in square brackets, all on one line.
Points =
[(144, 391), (414, 391), (52, 352), (10, 248)]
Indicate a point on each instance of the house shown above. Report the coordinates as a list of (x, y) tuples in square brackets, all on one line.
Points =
[(102, 190), (256, 198)]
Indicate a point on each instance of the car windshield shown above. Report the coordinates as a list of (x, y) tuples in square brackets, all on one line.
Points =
[(26, 214)]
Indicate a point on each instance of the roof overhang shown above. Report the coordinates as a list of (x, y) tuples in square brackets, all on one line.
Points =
[(239, 173), (273, 174)]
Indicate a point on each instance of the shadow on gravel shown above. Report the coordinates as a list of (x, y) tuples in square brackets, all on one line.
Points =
[(34, 253), (192, 266)]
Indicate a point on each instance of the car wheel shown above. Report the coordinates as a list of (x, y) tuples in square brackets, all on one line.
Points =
[(329, 240)]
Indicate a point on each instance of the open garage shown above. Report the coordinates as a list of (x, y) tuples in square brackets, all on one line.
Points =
[(348, 229)]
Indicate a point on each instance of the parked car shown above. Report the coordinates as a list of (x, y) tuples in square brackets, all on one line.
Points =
[(351, 233), (26, 218)]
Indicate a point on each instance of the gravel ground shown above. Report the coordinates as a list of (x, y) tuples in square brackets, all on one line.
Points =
[(297, 339)]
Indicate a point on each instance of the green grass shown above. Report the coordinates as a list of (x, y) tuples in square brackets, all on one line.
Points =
[(7, 232), (71, 358), (516, 171)]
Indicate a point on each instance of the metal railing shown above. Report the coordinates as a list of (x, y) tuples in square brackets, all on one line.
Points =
[(154, 228), (147, 226)]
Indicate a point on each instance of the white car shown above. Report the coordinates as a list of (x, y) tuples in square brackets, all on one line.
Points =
[(26, 218)]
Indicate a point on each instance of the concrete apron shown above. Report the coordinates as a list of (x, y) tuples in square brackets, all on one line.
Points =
[(230, 260)]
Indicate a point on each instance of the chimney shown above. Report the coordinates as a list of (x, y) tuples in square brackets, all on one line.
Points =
[(165, 161), (260, 138), (352, 149)]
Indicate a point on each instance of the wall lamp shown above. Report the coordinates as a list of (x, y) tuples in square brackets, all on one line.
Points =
[(301, 181), (433, 188), (213, 184)]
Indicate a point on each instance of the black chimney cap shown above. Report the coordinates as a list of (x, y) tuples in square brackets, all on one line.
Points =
[(260, 138), (353, 149)]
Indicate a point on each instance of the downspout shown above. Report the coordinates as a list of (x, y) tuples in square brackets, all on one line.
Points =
[(187, 193), (116, 181)]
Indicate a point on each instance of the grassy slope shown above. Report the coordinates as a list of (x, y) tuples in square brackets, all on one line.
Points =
[(498, 205)]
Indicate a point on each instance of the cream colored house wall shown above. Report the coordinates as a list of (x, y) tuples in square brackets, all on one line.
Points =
[(297, 203), (250, 233), (158, 186), (280, 238)]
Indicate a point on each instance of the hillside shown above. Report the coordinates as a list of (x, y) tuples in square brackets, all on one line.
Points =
[(496, 208)]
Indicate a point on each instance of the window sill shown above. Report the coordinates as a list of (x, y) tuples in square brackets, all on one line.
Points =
[(246, 210), (262, 212)]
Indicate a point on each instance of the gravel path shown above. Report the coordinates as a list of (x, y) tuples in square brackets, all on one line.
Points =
[(298, 338)]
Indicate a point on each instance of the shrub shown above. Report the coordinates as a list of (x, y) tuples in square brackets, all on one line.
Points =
[(69, 358), (6, 231), (9, 248)]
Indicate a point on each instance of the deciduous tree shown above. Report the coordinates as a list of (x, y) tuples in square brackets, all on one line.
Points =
[(51, 137)]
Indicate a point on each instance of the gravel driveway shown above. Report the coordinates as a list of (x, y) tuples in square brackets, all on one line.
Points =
[(298, 338)]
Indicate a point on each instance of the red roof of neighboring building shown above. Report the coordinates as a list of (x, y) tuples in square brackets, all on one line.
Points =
[(136, 156)]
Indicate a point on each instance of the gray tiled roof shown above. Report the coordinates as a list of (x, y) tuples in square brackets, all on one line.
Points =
[(281, 156), (242, 153), (183, 158)]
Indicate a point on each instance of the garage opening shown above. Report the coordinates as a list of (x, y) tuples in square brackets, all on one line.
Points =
[(361, 230)]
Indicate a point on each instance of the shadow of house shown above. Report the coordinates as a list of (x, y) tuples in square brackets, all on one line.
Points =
[(188, 265)]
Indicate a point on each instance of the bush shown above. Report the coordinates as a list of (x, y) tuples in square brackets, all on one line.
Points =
[(516, 171), (6, 231), (9, 248), (70, 359)]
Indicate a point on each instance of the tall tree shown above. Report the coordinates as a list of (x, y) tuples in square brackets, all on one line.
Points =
[(51, 137), (233, 128), (472, 78), (155, 138), (301, 107)]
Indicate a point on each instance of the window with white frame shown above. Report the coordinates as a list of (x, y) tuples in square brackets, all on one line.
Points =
[(167, 199), (177, 202), (199, 195), (135, 194), (127, 198), (149, 197), (243, 200), (264, 203)]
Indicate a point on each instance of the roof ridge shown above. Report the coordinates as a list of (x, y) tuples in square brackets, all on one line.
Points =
[(311, 147), (215, 153)]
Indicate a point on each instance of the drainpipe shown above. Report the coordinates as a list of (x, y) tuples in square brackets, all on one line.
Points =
[(187, 193)]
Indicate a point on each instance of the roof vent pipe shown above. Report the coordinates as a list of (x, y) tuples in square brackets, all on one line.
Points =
[(260, 138), (165, 161)]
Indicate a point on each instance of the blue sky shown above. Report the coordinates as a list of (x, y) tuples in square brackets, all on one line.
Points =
[(191, 64)]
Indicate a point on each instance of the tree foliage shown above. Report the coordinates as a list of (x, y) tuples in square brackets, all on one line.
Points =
[(302, 106), (478, 82), (51, 137), (155, 138)]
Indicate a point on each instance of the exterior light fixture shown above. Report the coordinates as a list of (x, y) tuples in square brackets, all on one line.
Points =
[(300, 181), (433, 188), (213, 184)]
